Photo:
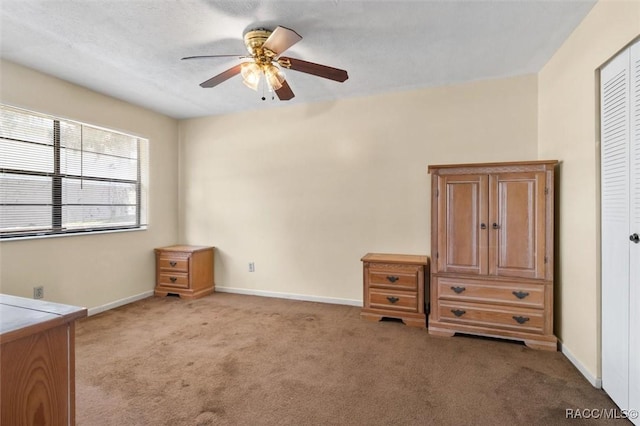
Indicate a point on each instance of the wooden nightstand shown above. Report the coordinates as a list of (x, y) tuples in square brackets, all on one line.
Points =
[(394, 286), (184, 270)]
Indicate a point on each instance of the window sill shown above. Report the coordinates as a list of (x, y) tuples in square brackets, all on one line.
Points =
[(71, 234)]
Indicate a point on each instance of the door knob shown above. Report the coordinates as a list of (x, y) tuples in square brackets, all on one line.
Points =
[(635, 238), (495, 226)]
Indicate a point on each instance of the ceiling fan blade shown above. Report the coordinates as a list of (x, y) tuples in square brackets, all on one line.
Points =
[(212, 56), (324, 71), (222, 77), (285, 93), (281, 39)]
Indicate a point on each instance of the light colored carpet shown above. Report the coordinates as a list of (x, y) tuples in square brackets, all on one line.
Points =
[(231, 359)]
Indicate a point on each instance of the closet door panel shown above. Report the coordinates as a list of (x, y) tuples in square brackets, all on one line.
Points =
[(462, 241), (517, 225), (634, 251), (615, 228)]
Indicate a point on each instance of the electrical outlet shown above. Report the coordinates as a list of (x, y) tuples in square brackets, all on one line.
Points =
[(252, 267), (38, 292)]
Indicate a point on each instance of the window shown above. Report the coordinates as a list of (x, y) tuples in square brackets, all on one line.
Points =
[(59, 176)]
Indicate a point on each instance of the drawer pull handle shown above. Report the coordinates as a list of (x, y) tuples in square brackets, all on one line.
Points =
[(172, 263), (392, 299), (458, 312), (521, 320), (173, 279), (520, 294), (458, 289), (392, 279)]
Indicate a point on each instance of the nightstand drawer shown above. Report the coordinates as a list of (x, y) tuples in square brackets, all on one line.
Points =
[(393, 300), (174, 263), (177, 279), (396, 279)]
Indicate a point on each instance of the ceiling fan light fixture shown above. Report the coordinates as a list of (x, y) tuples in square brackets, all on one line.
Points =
[(275, 77), (251, 73)]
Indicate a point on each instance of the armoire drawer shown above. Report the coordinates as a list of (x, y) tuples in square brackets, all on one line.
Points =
[(496, 292), (529, 320)]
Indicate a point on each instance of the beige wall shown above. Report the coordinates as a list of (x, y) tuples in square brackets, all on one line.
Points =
[(306, 191), (96, 270), (568, 130)]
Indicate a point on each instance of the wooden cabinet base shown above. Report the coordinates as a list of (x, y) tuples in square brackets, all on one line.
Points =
[(184, 294), (544, 342), (413, 320)]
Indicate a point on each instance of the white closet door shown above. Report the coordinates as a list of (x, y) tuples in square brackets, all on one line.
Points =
[(634, 250), (614, 95)]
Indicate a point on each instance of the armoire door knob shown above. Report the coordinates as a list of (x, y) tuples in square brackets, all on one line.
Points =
[(635, 238)]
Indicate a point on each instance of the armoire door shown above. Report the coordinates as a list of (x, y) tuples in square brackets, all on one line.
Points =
[(517, 224), (620, 224), (462, 215)]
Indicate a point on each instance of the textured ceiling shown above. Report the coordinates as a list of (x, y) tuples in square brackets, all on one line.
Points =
[(131, 49)]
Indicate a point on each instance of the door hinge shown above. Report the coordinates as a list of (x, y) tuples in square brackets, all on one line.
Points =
[(546, 259), (546, 191), (437, 255), (437, 192)]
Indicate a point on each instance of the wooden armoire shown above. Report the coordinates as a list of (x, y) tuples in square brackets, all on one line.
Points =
[(492, 251)]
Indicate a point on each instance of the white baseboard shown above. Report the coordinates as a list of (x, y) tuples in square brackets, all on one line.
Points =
[(595, 381), (304, 297), (121, 302)]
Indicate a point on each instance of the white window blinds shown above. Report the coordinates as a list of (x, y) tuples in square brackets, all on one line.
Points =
[(59, 176)]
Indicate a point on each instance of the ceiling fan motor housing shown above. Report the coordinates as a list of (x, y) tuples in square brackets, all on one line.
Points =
[(254, 40)]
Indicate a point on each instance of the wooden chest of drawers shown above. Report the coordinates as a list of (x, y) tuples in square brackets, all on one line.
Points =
[(184, 270), (394, 287)]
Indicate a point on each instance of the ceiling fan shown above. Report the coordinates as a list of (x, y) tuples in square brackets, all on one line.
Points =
[(265, 47)]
